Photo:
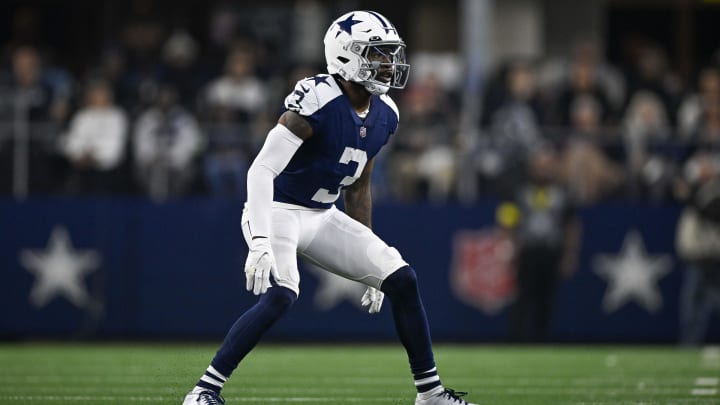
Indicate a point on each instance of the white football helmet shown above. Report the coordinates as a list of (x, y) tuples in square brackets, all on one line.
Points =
[(364, 47)]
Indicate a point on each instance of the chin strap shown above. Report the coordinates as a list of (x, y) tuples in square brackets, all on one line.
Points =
[(376, 89)]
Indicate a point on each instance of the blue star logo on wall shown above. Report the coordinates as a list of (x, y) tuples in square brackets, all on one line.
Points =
[(346, 25), (59, 270), (632, 275)]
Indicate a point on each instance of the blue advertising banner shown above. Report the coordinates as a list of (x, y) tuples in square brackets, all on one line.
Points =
[(137, 269)]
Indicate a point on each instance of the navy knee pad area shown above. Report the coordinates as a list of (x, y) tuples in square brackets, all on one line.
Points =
[(401, 283), (278, 298)]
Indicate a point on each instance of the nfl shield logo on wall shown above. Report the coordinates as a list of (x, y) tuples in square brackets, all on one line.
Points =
[(363, 132), (482, 275)]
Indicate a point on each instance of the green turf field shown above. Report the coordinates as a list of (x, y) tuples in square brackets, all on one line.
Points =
[(352, 374)]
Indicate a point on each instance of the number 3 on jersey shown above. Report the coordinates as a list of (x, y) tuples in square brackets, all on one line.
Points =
[(324, 195)]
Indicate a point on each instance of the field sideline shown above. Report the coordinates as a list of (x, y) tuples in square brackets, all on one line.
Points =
[(35, 373)]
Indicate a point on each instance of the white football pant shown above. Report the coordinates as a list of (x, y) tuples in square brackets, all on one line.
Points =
[(330, 239)]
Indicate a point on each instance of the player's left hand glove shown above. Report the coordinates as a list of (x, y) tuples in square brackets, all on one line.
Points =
[(260, 264), (372, 299)]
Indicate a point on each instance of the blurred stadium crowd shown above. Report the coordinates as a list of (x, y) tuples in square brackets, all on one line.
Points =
[(162, 114)]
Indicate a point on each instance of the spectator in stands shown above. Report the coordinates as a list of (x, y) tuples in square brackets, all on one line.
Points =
[(95, 143), (181, 68), (645, 123), (235, 105), (691, 110), (166, 141), (562, 80), (590, 174), (650, 72), (28, 97), (547, 236), (44, 92), (707, 134), (607, 76), (581, 82), (698, 245), (422, 156), (515, 127), (113, 67), (141, 39), (519, 116), (239, 90), (228, 156)]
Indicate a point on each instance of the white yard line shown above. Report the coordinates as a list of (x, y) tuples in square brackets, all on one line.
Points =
[(704, 391), (711, 357), (707, 381), (704, 386)]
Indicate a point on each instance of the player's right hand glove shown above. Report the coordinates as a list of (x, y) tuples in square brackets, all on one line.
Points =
[(373, 299), (259, 265)]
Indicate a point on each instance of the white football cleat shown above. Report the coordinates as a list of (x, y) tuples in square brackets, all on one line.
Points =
[(445, 397), (203, 396)]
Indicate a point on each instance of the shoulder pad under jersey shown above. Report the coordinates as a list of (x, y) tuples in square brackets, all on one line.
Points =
[(389, 101), (312, 94)]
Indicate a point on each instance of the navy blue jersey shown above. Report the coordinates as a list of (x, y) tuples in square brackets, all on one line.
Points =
[(342, 143)]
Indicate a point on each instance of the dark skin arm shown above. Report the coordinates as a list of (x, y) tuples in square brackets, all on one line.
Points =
[(297, 124), (358, 200)]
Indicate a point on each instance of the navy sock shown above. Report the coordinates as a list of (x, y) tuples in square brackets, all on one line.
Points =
[(247, 331), (411, 324)]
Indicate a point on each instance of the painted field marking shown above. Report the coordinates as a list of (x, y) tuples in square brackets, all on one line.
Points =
[(711, 381), (711, 357), (703, 386), (704, 391)]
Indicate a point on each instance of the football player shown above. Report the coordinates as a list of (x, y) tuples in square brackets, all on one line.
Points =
[(323, 145)]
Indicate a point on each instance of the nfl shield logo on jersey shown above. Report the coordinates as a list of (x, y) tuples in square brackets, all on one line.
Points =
[(363, 132), (482, 275)]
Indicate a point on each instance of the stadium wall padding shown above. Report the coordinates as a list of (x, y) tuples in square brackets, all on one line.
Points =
[(174, 270)]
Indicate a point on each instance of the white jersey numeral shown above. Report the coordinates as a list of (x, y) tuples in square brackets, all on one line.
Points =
[(324, 195)]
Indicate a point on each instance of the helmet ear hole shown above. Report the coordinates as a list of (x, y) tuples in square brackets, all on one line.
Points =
[(343, 59)]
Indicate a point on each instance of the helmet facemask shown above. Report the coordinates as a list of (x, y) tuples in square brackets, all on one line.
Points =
[(383, 65)]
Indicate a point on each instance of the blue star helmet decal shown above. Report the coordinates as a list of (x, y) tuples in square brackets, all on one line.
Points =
[(346, 25), (320, 79)]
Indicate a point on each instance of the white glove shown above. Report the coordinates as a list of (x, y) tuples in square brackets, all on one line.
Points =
[(259, 265), (372, 299)]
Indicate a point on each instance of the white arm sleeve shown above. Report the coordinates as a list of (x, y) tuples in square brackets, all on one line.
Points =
[(280, 146)]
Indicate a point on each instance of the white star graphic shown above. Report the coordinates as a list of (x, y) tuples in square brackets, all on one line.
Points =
[(632, 274), (333, 289), (59, 270)]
